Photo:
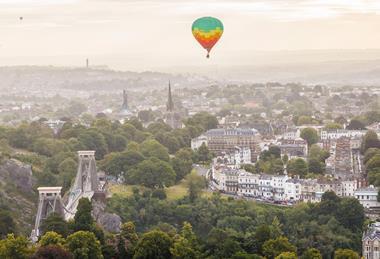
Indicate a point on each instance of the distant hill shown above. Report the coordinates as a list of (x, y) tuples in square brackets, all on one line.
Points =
[(40, 78)]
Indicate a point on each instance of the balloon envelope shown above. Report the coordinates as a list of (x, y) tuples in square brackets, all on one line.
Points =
[(207, 31)]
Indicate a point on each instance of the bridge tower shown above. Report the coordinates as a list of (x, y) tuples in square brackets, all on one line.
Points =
[(49, 201), (86, 183)]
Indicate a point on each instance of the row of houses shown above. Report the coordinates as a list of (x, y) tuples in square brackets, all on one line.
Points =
[(284, 188)]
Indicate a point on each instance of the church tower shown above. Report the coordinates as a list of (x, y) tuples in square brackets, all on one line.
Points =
[(172, 118), (125, 101), (125, 107)]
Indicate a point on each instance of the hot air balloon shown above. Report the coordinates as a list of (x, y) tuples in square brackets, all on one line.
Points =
[(207, 31)]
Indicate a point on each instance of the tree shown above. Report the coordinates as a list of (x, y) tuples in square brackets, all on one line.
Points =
[(351, 214), (67, 171), (83, 244), (345, 254), (127, 240), (356, 124), (204, 120), (83, 219), (154, 244), (185, 245), (159, 194), (182, 163), (370, 153), (195, 184), (275, 247), (51, 238), (93, 140), (116, 163), (297, 166), (370, 140), (333, 126), (287, 255), (152, 173), (146, 115), (152, 148), (329, 203), (373, 164), (52, 252), (310, 135), (7, 224), (55, 223), (311, 253), (203, 153), (15, 247), (316, 167)]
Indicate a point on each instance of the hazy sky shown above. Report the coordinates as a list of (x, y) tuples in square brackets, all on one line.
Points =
[(142, 34)]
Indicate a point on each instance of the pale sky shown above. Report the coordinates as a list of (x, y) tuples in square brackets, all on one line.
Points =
[(147, 34)]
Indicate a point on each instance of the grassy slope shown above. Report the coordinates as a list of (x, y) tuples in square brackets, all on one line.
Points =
[(173, 193)]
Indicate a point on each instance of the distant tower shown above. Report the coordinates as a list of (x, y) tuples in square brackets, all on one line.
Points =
[(49, 201), (86, 183), (125, 107), (87, 63), (172, 118), (170, 104), (125, 101)]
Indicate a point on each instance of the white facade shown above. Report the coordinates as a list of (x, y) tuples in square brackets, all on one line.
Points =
[(197, 142), (242, 155), (368, 196), (248, 184), (293, 189), (336, 134), (293, 134)]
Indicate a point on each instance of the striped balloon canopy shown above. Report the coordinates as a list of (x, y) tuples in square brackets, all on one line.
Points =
[(207, 31)]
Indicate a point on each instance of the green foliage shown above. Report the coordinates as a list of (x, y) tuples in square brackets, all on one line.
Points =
[(51, 238), (55, 223), (333, 126), (203, 154), (346, 254), (83, 219), (116, 163), (182, 163), (203, 120), (83, 244), (52, 252), (152, 148), (370, 140), (274, 247), (297, 166), (311, 253), (195, 184), (287, 255), (15, 247), (153, 173), (154, 244), (7, 224), (310, 135)]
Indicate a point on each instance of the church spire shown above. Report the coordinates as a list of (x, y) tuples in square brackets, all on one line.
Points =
[(125, 101), (170, 104)]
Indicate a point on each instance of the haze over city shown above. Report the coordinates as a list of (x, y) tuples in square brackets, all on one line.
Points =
[(155, 35)]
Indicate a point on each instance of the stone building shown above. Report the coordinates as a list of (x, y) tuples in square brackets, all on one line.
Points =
[(225, 140), (371, 242)]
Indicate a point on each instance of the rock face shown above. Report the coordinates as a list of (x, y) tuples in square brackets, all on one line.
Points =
[(17, 173), (110, 222)]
